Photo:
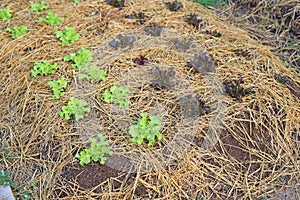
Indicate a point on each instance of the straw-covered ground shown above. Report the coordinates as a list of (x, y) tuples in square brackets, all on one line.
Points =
[(239, 140)]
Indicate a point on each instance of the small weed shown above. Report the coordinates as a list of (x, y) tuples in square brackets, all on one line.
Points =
[(193, 20), (203, 63), (174, 6), (117, 95), (182, 44), (140, 16), (51, 19), (76, 1), (235, 90), (281, 79), (213, 33), (5, 178), (68, 36), (96, 152), (81, 59), (74, 107), (116, 3), (154, 29), (212, 3), (43, 68), (193, 107), (36, 7), (141, 60), (58, 87), (147, 128), (5, 13), (17, 31), (122, 41), (93, 73), (5, 155), (163, 78), (24, 192)]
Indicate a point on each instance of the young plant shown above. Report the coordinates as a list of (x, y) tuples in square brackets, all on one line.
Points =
[(163, 78), (140, 16), (5, 13), (212, 3), (193, 106), (58, 87), (36, 7), (81, 59), (68, 36), (74, 107), (117, 95), (116, 3), (25, 192), (202, 63), (122, 41), (5, 178), (154, 29), (76, 1), (182, 44), (174, 6), (17, 31), (43, 68), (281, 79), (235, 90), (51, 19), (5, 154), (96, 152), (147, 128), (213, 33), (93, 73), (193, 20), (142, 60)]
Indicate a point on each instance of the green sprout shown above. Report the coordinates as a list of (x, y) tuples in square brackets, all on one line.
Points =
[(68, 36), (74, 107), (96, 152), (147, 128), (75, 1), (51, 19), (93, 73), (117, 95), (81, 59), (5, 13), (36, 7), (17, 31), (211, 3), (58, 87), (43, 68), (5, 178)]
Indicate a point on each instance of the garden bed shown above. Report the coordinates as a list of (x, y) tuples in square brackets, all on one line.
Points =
[(221, 107)]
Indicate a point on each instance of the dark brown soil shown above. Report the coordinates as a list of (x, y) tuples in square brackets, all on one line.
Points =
[(92, 175)]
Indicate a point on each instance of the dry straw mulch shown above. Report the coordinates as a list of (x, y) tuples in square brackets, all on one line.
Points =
[(258, 149)]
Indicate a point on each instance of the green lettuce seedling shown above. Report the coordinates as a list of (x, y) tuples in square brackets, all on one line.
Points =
[(51, 19), (96, 152), (146, 129), (117, 95), (43, 68), (81, 59), (17, 31), (74, 107), (93, 73), (58, 87), (38, 7), (68, 36), (5, 13)]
